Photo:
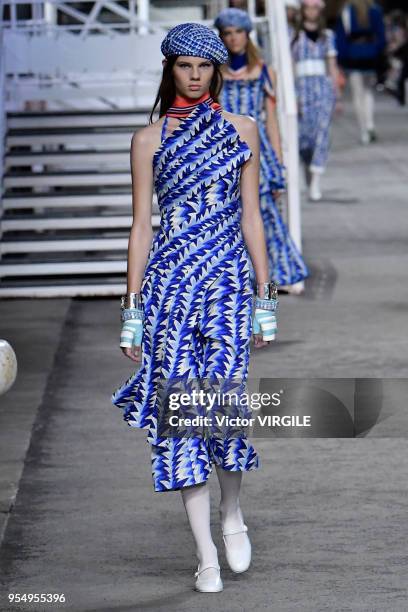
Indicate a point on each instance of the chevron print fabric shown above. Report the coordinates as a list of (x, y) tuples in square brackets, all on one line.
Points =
[(196, 291)]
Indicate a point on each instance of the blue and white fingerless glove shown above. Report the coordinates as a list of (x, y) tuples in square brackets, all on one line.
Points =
[(132, 328), (264, 320)]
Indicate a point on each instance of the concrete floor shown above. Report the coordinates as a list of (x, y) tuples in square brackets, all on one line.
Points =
[(327, 516)]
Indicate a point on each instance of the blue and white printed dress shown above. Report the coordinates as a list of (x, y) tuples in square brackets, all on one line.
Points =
[(247, 97), (316, 97), (197, 295)]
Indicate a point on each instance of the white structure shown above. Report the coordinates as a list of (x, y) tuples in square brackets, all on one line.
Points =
[(74, 87)]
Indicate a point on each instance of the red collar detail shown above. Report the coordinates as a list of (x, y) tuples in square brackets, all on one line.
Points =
[(182, 106)]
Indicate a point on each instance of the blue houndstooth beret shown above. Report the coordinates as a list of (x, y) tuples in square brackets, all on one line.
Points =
[(194, 39), (233, 17)]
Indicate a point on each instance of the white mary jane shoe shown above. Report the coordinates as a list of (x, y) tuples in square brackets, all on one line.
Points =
[(204, 583), (239, 560)]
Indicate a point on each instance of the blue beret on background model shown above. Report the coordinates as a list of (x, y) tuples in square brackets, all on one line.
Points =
[(233, 17), (194, 39)]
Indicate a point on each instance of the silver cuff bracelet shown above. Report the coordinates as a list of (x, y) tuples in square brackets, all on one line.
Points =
[(270, 290), (132, 300)]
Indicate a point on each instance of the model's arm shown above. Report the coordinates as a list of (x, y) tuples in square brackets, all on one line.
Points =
[(251, 218), (272, 124), (333, 71), (141, 233), (331, 56)]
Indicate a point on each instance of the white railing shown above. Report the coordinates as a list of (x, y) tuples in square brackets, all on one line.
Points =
[(279, 39), (111, 58), (104, 16), (2, 115)]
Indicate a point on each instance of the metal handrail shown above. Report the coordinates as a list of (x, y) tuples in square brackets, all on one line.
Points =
[(2, 116), (43, 23), (280, 42)]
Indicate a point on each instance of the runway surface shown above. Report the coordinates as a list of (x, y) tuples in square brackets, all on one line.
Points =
[(326, 517)]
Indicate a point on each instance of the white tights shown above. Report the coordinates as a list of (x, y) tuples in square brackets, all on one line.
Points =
[(196, 501), (363, 99)]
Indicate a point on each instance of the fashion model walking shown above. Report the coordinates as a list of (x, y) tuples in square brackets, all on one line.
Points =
[(249, 88), (188, 312), (361, 41), (314, 55)]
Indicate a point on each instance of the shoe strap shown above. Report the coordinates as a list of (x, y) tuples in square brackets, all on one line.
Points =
[(199, 570), (234, 532)]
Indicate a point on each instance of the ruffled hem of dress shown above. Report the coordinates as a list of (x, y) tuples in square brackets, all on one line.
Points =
[(232, 454), (286, 263), (132, 416), (285, 279)]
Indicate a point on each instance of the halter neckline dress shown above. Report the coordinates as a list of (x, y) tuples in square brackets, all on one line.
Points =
[(197, 295), (247, 97)]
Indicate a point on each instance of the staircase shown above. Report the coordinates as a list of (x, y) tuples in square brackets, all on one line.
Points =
[(66, 204), (66, 201)]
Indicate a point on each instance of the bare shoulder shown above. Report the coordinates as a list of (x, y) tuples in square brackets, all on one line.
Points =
[(246, 126), (147, 139)]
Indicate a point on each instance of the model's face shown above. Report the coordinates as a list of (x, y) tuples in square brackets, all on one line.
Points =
[(235, 39), (311, 13), (192, 75)]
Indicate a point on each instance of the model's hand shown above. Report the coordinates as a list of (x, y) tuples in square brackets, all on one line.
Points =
[(258, 342), (264, 327), (134, 353), (131, 336)]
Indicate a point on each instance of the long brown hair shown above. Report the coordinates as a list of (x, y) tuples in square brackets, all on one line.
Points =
[(362, 8), (253, 54), (167, 88)]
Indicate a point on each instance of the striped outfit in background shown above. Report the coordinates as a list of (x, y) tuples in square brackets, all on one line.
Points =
[(315, 95)]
